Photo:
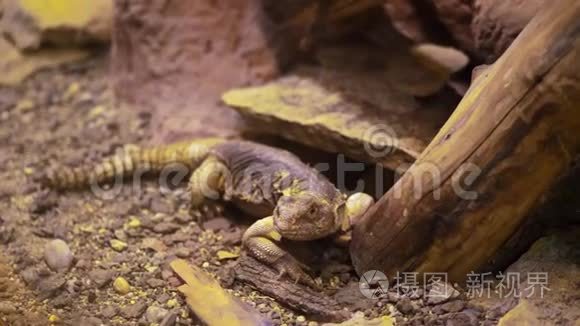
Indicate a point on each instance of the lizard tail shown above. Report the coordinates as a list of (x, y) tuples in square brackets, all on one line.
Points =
[(132, 159)]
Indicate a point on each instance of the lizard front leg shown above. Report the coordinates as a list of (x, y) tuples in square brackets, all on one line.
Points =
[(259, 241), (207, 182)]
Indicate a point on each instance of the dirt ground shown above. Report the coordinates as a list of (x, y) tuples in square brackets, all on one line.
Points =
[(66, 115)]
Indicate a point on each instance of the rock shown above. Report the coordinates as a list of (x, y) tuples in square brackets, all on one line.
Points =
[(45, 200), (121, 285), (499, 309), (155, 314), (456, 16), (155, 283), (162, 205), (172, 303), (453, 306), (61, 301), (91, 321), (101, 277), (358, 319), (134, 310), (217, 224), (183, 217), (442, 58), (525, 313), (169, 320), (6, 234), (30, 23), (50, 286), (166, 227), (183, 252), (372, 132), (30, 275), (109, 312), (548, 279), (351, 297), (154, 244), (461, 319), (58, 255), (405, 306), (7, 307), (232, 238), (120, 234), (91, 297), (441, 292), (496, 23), (163, 298), (118, 245)]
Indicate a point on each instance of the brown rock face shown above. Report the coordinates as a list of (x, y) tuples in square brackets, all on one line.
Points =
[(496, 23), (440, 21), (178, 56), (456, 15)]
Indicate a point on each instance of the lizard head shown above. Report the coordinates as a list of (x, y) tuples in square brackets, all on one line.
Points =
[(305, 216)]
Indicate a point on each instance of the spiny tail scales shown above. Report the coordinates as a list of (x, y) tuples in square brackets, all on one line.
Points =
[(133, 158)]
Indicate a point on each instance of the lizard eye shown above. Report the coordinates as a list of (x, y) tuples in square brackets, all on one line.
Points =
[(313, 210)]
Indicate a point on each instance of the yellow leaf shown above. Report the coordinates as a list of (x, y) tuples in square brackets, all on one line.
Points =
[(72, 90), (223, 254), (97, 111), (209, 301)]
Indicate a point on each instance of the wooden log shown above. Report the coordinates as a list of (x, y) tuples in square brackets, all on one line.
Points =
[(296, 296), (515, 133)]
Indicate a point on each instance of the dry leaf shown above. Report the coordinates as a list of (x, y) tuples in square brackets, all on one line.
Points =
[(223, 254), (210, 302)]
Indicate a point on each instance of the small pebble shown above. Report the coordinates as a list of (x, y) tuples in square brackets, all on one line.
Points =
[(155, 282), (166, 227), (133, 310), (163, 297), (172, 303), (109, 312), (101, 277), (183, 252), (121, 285), (155, 314), (118, 245), (7, 308), (53, 318), (134, 223), (169, 320), (300, 319), (120, 234), (405, 306), (58, 255)]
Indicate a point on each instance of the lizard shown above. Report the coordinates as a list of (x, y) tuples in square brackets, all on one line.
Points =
[(291, 199)]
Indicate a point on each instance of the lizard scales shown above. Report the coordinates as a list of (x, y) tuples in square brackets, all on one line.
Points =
[(293, 200)]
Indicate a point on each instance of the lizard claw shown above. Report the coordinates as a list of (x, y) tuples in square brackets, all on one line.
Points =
[(207, 211), (292, 268)]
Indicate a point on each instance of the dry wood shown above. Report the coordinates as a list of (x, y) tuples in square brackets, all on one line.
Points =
[(210, 302), (295, 296), (505, 147)]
